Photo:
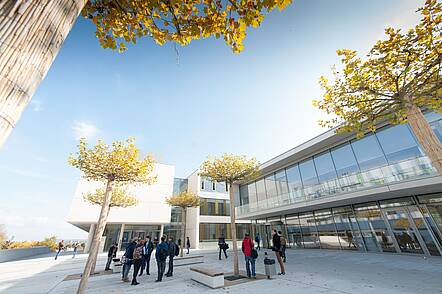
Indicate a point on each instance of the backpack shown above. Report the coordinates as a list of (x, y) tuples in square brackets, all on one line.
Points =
[(138, 252), (177, 250)]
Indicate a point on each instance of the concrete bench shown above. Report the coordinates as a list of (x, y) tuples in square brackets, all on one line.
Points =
[(209, 277), (188, 260)]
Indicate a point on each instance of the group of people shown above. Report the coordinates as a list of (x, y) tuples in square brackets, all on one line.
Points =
[(138, 253), (62, 247)]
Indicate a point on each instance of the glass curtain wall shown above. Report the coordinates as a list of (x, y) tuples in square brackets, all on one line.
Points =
[(325, 224), (211, 231), (217, 207), (347, 228), (294, 235), (310, 237)]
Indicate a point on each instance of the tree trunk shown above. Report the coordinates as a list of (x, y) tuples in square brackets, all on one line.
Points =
[(425, 136), (183, 232), (94, 262), (97, 236), (31, 34), (233, 231)]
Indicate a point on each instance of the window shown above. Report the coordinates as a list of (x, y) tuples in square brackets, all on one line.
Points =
[(398, 143), (345, 160), (325, 167), (368, 153), (294, 181), (282, 187), (437, 129), (270, 186), (261, 191), (244, 195), (252, 192), (308, 173), (211, 232), (214, 207)]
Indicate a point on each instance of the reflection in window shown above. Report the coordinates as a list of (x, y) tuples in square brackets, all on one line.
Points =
[(308, 229), (398, 143), (294, 181), (282, 187), (345, 160), (308, 173), (217, 207), (270, 186), (244, 195), (260, 191), (211, 232), (368, 153), (437, 129), (326, 229), (294, 231), (325, 167), (252, 192)]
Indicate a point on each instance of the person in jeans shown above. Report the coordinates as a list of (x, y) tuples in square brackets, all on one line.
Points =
[(161, 254), (283, 246), (76, 245), (129, 255), (60, 248), (277, 249), (222, 246), (112, 253), (172, 253), (258, 241), (137, 258), (147, 252), (247, 246)]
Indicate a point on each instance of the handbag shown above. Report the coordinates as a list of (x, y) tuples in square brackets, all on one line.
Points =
[(253, 251)]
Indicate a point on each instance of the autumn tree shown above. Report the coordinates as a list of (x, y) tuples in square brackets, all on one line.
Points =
[(398, 79), (120, 197), (32, 32), (3, 235), (184, 200), (118, 163), (231, 169)]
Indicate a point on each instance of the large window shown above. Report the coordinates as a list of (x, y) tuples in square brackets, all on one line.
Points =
[(271, 186), (345, 160), (309, 232), (244, 195), (327, 230), (252, 192), (308, 173), (398, 143), (218, 207), (211, 232), (261, 191), (368, 153), (325, 167), (294, 181)]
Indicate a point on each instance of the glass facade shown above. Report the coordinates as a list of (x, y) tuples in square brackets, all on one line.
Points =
[(411, 225), (218, 207), (390, 155), (211, 232)]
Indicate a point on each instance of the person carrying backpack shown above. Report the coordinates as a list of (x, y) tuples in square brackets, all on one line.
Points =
[(161, 254), (222, 246), (283, 246), (250, 254), (173, 251), (137, 258)]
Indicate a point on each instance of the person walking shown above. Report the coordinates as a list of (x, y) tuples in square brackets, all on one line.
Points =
[(111, 253), (222, 246), (162, 251), (188, 245), (277, 249), (128, 256), (75, 246), (258, 241), (137, 258), (60, 248), (147, 252), (283, 246), (247, 248), (173, 251)]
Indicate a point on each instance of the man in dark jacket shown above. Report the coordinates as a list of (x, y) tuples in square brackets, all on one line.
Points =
[(161, 254), (172, 252), (112, 253), (277, 249), (222, 246), (129, 256), (147, 252)]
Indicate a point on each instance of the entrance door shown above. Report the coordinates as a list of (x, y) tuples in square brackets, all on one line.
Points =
[(404, 223)]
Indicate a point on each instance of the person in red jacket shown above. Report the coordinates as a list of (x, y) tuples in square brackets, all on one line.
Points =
[(247, 246)]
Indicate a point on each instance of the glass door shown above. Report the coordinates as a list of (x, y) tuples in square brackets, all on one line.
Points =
[(404, 229)]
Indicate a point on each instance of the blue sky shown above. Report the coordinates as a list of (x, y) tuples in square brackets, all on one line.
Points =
[(181, 108)]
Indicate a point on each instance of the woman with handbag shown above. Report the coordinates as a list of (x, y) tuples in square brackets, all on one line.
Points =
[(250, 254), (277, 247)]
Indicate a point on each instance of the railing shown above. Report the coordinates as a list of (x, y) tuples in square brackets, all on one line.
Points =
[(401, 171)]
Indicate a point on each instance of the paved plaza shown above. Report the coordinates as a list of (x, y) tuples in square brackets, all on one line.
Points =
[(308, 271)]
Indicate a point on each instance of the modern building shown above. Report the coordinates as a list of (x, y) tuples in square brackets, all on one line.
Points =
[(379, 193), (153, 217)]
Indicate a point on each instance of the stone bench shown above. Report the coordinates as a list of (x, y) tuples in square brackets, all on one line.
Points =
[(210, 277), (188, 260)]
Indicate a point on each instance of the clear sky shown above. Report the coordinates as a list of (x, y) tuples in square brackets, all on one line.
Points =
[(181, 108)]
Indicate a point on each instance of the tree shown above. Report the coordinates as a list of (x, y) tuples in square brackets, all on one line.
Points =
[(32, 32), (400, 77), (117, 163), (3, 235), (231, 169), (184, 200), (120, 197)]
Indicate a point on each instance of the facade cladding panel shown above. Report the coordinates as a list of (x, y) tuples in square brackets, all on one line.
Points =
[(379, 193)]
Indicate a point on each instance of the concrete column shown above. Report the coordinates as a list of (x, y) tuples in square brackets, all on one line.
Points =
[(120, 236), (161, 232), (90, 237)]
